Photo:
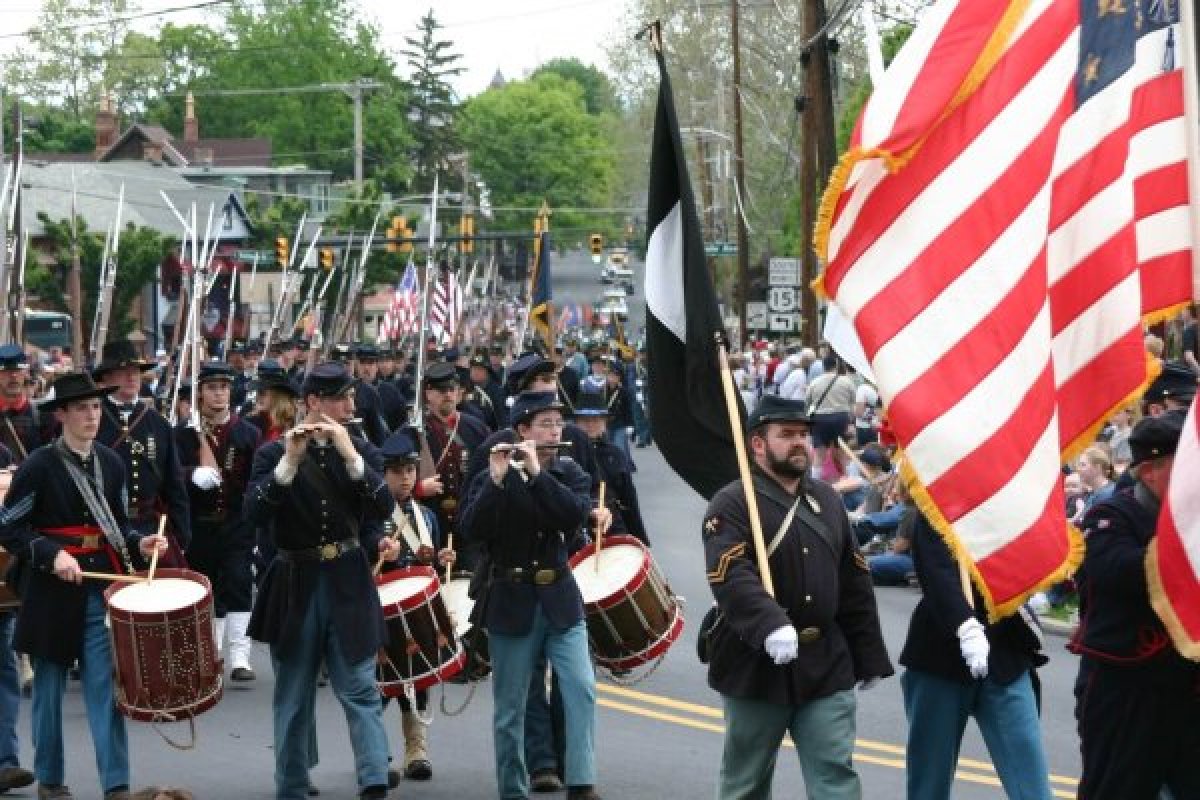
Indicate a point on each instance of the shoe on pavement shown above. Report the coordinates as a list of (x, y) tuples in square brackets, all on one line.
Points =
[(117, 794), (419, 769), (312, 790), (373, 793), (582, 793), (14, 778), (242, 674), (54, 791), (545, 780), (393, 778)]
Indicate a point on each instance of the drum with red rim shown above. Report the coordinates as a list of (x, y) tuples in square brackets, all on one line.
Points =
[(422, 648), (632, 614), (165, 657)]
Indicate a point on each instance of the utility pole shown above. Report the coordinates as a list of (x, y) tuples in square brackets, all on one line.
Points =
[(819, 153), (743, 255), (355, 90)]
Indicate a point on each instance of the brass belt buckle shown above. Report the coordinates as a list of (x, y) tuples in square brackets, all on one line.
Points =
[(544, 577), (90, 541), (329, 551), (809, 635)]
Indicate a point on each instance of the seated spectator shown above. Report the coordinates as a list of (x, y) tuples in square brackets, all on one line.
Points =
[(880, 477), (893, 568)]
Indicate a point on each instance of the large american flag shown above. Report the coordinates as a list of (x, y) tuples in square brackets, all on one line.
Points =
[(403, 316), (445, 306), (1013, 207)]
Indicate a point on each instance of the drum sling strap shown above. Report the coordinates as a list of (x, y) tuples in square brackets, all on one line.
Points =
[(92, 490), (414, 539)]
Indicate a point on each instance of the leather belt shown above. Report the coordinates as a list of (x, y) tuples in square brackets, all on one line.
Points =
[(83, 538), (329, 551), (538, 577), (808, 635)]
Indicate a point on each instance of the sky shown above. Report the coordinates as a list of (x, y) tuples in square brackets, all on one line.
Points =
[(514, 36)]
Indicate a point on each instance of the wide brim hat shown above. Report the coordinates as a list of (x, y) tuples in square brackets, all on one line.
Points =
[(118, 355), (529, 404), (773, 408), (73, 386)]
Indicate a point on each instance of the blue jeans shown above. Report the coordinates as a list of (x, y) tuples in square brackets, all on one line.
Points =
[(937, 711), (295, 700), (890, 569), (10, 693), (513, 663), (540, 713), (822, 730), (106, 724)]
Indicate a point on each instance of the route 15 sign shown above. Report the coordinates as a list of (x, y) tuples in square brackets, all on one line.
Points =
[(782, 299)]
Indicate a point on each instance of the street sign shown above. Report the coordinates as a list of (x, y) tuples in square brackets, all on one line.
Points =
[(784, 323), (264, 256), (782, 299), (756, 316), (720, 249), (783, 272)]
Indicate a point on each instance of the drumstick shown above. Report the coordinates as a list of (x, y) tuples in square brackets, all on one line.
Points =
[(449, 546), (378, 566), (112, 576), (600, 529), (162, 526)]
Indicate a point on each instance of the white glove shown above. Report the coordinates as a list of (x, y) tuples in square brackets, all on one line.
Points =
[(206, 477), (867, 684), (783, 645), (972, 640)]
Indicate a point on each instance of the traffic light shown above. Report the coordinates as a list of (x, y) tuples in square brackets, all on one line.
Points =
[(327, 258), (399, 230), (597, 243), (467, 229), (281, 250)]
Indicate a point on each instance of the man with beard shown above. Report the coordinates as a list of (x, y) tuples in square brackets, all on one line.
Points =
[(143, 439), (789, 662), (452, 437), (22, 428), (217, 458)]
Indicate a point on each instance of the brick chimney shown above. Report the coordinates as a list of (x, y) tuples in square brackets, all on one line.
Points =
[(152, 152), (106, 124), (191, 125)]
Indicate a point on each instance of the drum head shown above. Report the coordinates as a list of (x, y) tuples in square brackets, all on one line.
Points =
[(459, 603), (403, 588), (161, 594), (619, 568)]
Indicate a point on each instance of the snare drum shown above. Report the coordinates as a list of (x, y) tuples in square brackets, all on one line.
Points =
[(164, 654), (422, 648), (632, 615)]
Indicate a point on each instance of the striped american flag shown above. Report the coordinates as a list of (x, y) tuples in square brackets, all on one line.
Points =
[(1013, 207), (402, 317), (445, 306)]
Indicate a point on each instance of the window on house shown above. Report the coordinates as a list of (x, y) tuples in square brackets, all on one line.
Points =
[(320, 196)]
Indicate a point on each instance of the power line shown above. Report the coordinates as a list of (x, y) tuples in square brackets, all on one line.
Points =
[(94, 23)]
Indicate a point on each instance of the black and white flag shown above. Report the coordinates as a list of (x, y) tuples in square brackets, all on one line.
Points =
[(687, 406)]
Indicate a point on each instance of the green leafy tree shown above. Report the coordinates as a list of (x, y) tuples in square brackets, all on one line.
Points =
[(141, 252), (534, 140), (599, 95), (432, 109)]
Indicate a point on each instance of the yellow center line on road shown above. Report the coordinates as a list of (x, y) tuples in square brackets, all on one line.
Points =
[(711, 712)]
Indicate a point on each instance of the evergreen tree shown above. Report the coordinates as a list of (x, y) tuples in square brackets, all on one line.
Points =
[(432, 103)]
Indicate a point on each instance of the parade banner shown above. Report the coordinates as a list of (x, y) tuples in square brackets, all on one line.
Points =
[(1173, 558), (687, 409), (539, 304), (1012, 209)]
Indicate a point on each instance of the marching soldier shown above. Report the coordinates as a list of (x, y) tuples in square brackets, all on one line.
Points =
[(420, 544), (789, 661), (368, 408), (392, 406), (613, 467), (65, 513), (242, 374), (321, 492), (452, 437), (218, 458), (484, 395), (22, 429), (143, 439)]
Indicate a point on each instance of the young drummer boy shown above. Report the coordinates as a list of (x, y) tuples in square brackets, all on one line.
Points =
[(420, 541)]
